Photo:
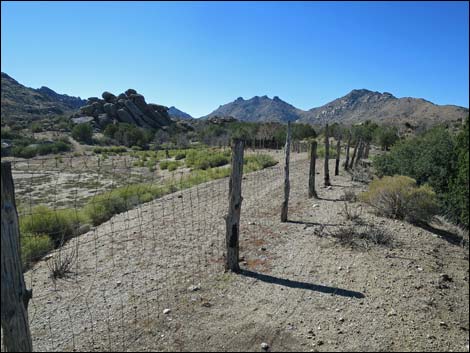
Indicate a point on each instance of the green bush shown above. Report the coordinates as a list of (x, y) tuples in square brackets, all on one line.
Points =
[(83, 133), (205, 159), (399, 197), (34, 247), (257, 162), (457, 200), (57, 224)]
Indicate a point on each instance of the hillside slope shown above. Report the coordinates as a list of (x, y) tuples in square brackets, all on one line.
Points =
[(22, 105), (361, 105), (153, 279), (259, 109)]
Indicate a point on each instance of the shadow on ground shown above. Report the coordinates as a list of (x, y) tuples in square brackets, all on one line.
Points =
[(302, 285), (450, 237)]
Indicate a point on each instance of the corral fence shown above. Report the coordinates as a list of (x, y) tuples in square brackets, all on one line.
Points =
[(149, 241)]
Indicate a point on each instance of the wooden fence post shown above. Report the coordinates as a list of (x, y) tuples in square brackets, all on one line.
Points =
[(232, 220), (358, 142), (359, 153), (15, 296), (311, 175), (338, 152), (327, 157), (346, 163), (285, 204)]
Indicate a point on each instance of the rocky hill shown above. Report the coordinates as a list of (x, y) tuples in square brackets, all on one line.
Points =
[(22, 105), (178, 114), (129, 107), (357, 106), (361, 105), (258, 109)]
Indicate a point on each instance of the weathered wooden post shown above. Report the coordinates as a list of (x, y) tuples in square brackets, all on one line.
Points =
[(360, 152), (338, 153), (311, 175), (15, 296), (346, 162), (232, 220), (367, 150), (354, 154), (327, 157), (285, 204)]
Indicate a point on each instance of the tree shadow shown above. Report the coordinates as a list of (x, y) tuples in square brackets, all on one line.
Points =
[(313, 224), (450, 237), (327, 199), (302, 285)]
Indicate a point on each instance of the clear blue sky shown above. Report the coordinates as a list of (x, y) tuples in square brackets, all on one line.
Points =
[(197, 56)]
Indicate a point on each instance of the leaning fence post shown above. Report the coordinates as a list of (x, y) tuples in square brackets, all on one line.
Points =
[(338, 152), (311, 176), (346, 163), (358, 142), (327, 157), (285, 204), (15, 296), (232, 220)]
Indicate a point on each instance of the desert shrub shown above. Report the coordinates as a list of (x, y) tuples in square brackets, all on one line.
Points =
[(351, 213), (170, 165), (57, 224), (34, 247), (399, 197), (457, 200), (349, 195), (362, 236), (205, 159), (180, 155), (257, 162), (83, 133), (61, 263)]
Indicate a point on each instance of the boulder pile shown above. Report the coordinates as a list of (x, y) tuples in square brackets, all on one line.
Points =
[(129, 107)]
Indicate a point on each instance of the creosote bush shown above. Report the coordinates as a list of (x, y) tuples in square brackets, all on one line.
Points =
[(399, 197)]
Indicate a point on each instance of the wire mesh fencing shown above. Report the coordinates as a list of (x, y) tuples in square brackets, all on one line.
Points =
[(110, 246)]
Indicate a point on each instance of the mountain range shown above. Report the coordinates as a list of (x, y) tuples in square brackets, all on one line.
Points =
[(355, 107), (21, 105)]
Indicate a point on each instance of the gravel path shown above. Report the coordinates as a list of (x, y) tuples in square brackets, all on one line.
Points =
[(300, 288)]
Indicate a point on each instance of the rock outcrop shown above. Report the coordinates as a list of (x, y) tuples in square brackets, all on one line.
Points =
[(129, 107)]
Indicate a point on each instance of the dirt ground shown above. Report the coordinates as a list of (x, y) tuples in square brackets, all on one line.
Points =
[(153, 279)]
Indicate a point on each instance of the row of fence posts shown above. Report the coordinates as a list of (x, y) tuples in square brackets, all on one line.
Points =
[(15, 296)]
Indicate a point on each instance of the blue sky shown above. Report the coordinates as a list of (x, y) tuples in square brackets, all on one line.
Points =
[(197, 56)]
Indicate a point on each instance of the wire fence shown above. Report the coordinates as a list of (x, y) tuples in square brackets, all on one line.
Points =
[(161, 237)]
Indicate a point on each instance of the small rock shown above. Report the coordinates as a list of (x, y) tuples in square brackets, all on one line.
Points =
[(420, 269), (118, 283), (315, 205), (341, 319), (263, 248), (264, 346), (445, 277), (194, 288), (320, 343), (166, 311), (392, 313), (442, 323)]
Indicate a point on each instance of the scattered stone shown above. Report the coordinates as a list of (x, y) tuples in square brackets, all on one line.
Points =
[(166, 311), (194, 288), (118, 283), (315, 205), (320, 342), (445, 277), (341, 319), (264, 346), (392, 313)]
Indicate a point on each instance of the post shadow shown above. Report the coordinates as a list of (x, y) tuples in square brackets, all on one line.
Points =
[(302, 285)]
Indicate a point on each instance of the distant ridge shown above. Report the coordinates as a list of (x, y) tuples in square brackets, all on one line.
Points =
[(178, 114), (357, 106), (22, 105)]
